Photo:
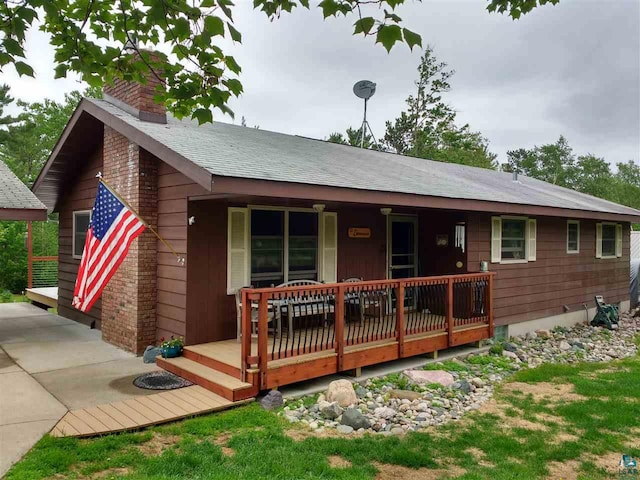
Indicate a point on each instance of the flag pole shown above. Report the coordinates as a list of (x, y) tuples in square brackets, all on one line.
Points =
[(146, 224)]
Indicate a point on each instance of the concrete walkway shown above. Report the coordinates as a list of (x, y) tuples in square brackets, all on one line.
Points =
[(49, 364)]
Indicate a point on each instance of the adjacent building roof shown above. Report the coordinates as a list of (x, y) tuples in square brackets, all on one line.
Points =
[(221, 150), (17, 202)]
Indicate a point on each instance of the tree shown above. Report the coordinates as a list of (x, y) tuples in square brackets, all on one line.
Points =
[(96, 39), (5, 120), (353, 137), (33, 135), (553, 163), (427, 128)]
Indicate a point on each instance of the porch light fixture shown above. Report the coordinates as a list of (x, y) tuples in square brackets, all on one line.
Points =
[(192, 220), (318, 207), (385, 211)]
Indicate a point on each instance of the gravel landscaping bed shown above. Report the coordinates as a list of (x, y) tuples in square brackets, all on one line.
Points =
[(444, 391)]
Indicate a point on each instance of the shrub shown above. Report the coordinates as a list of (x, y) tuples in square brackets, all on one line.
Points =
[(496, 349), (5, 296)]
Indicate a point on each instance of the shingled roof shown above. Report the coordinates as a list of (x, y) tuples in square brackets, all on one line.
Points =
[(221, 150), (17, 202)]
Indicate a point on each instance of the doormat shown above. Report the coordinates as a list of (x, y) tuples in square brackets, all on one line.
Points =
[(161, 381)]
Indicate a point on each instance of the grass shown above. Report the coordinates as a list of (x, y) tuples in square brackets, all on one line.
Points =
[(587, 429)]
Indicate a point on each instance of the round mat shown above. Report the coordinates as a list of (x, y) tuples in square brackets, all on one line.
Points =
[(161, 381)]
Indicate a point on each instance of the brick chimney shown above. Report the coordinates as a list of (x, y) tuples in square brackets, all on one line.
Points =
[(129, 301), (136, 98)]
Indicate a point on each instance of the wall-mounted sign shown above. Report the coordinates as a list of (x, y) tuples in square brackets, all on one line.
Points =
[(357, 232)]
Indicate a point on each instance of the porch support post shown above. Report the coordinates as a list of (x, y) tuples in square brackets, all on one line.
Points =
[(263, 320), (450, 310), (339, 313), (29, 256), (400, 326), (245, 334), (490, 305)]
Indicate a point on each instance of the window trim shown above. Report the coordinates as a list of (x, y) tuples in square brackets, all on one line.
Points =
[(577, 250), (615, 240), (285, 233), (526, 239), (73, 232)]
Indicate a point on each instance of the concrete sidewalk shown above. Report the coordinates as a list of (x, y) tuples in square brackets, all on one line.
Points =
[(49, 364)]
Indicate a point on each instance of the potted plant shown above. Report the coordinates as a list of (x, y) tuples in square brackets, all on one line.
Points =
[(171, 348)]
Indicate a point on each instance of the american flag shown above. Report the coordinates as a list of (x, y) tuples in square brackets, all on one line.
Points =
[(112, 228)]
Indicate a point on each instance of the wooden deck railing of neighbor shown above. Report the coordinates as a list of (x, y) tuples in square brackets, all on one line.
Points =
[(342, 326)]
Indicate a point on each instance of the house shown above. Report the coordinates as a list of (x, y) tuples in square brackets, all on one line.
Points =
[(17, 202), (468, 250)]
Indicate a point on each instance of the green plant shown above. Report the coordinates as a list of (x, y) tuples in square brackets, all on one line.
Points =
[(172, 342), (449, 365), (5, 296), (496, 349)]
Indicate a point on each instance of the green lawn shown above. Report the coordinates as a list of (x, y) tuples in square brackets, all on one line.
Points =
[(554, 421)]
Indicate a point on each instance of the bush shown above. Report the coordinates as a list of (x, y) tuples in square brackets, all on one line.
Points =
[(496, 349), (6, 296)]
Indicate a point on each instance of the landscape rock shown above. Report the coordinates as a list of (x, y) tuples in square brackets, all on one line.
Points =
[(405, 394), (542, 333), (272, 400), (150, 354), (464, 386), (344, 429), (330, 410), (342, 392), (423, 377), (510, 347), (509, 354), (354, 418), (385, 413), (564, 345)]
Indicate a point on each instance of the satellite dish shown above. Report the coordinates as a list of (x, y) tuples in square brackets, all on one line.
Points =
[(364, 89)]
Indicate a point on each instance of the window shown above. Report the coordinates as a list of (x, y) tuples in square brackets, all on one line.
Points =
[(573, 236), (459, 237), (513, 239), (514, 236), (284, 246), (608, 240), (81, 221)]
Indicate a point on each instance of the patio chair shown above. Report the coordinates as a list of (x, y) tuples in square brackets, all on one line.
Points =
[(300, 307), (607, 315), (353, 302)]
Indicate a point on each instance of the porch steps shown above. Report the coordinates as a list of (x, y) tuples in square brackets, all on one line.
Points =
[(227, 386)]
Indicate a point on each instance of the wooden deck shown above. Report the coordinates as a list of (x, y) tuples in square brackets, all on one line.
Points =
[(141, 412), (44, 295)]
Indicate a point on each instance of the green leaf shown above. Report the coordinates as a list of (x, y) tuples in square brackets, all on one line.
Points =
[(388, 35), (329, 8), (203, 115), (214, 25), (411, 38), (236, 36), (364, 25), (61, 71), (24, 69), (13, 47), (234, 85)]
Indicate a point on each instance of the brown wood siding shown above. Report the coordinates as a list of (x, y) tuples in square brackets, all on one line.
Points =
[(80, 195), (538, 289), (435, 260), (363, 258), (174, 188)]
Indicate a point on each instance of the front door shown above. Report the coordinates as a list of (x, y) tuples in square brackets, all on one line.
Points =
[(403, 247)]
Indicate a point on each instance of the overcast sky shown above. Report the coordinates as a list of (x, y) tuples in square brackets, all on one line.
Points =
[(571, 69)]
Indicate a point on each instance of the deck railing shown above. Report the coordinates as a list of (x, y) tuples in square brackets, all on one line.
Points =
[(300, 320)]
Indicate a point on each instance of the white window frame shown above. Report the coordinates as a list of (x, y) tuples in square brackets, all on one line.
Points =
[(526, 239), (617, 253), (285, 244), (73, 231), (577, 250), (530, 244)]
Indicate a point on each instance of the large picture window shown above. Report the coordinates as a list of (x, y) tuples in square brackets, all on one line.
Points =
[(284, 246), (81, 221)]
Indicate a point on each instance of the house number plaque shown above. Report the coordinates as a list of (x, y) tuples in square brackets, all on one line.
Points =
[(356, 232)]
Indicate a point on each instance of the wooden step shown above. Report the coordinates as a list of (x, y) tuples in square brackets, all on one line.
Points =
[(217, 382), (202, 354)]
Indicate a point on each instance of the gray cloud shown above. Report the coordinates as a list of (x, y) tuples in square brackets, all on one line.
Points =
[(571, 69)]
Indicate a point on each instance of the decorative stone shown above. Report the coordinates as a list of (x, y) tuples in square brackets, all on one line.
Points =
[(272, 400), (361, 392), (422, 377), (405, 394), (477, 382), (345, 429), (342, 391), (510, 347), (564, 345), (384, 412), (397, 431), (150, 354), (509, 354), (464, 386), (330, 410), (542, 333), (354, 418)]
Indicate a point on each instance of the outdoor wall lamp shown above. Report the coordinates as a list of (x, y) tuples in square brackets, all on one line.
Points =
[(385, 211), (318, 207), (192, 220)]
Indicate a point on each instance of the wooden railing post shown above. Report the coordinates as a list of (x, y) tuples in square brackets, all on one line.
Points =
[(400, 326), (245, 334), (263, 320), (490, 305), (29, 256), (339, 314), (450, 310)]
